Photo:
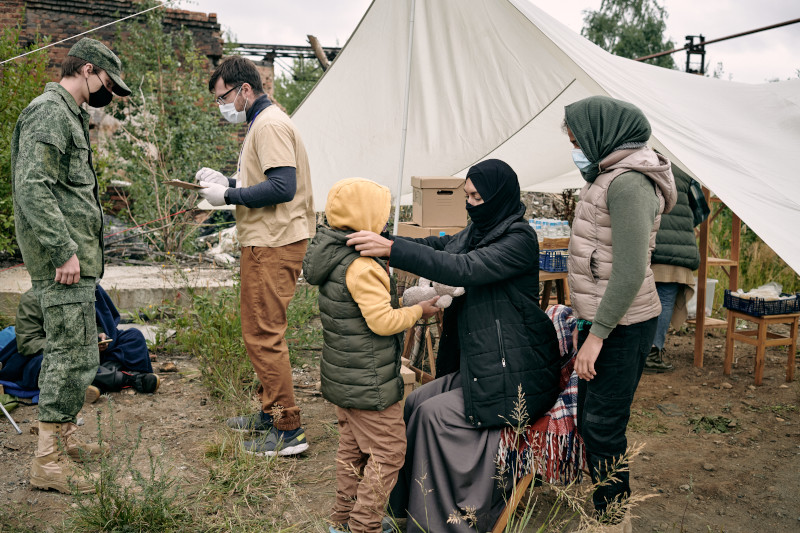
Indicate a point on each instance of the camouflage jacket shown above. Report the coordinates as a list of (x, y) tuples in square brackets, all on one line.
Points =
[(56, 206)]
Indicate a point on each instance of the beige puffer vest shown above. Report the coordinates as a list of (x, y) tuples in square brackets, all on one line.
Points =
[(590, 252)]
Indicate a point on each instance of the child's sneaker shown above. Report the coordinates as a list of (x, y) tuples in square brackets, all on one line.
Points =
[(277, 442), (259, 422)]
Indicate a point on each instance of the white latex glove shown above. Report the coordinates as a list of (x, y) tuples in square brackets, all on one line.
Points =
[(210, 175), (213, 192)]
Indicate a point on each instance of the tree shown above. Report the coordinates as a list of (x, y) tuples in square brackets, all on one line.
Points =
[(169, 127), (21, 81), (291, 89), (630, 28)]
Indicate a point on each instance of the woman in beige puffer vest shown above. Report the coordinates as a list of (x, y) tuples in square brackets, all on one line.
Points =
[(628, 187)]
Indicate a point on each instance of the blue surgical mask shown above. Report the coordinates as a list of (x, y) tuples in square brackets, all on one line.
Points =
[(580, 159)]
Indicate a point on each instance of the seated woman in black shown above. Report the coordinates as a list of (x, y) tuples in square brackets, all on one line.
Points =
[(495, 338)]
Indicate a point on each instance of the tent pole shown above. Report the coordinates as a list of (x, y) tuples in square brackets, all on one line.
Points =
[(405, 120)]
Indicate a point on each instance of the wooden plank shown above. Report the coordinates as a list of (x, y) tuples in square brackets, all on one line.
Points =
[(729, 341), (511, 505), (720, 261), (551, 276), (792, 350), (760, 349), (561, 243), (431, 355), (702, 274), (709, 322)]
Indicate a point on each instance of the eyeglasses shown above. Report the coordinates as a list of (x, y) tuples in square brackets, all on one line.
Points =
[(221, 99)]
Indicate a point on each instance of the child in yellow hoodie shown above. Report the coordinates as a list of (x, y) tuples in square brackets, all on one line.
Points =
[(362, 325)]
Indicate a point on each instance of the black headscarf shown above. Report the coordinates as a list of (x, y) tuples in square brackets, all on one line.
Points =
[(601, 125), (498, 186)]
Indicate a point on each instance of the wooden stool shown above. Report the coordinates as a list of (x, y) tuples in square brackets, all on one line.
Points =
[(761, 338), (562, 289)]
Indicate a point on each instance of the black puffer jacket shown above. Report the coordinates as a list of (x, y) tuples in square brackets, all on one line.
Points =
[(496, 334), (675, 242)]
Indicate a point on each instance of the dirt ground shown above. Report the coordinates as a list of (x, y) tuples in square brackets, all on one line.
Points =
[(742, 480)]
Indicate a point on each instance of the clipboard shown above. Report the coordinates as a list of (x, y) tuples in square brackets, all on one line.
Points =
[(183, 184)]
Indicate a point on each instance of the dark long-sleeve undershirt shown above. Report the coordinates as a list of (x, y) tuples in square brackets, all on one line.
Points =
[(279, 187)]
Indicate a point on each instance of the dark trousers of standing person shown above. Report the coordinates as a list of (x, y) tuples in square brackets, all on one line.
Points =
[(268, 280), (604, 405)]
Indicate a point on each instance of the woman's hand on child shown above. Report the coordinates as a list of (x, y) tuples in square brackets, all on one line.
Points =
[(370, 244)]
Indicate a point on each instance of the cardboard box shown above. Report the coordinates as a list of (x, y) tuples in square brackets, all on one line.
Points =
[(438, 201), (405, 229), (409, 381)]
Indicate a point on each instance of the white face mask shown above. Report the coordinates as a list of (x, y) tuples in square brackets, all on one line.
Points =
[(579, 158), (229, 112)]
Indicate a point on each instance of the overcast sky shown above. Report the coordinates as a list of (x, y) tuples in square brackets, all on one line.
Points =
[(750, 59)]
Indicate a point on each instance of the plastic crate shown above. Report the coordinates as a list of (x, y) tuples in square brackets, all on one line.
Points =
[(553, 260), (760, 307)]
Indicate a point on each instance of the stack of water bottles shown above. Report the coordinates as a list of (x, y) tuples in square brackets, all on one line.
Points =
[(550, 228), (553, 235)]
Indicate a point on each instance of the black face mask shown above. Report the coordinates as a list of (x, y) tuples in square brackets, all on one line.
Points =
[(102, 96)]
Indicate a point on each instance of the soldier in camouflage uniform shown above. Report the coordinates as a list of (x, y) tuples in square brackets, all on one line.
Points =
[(59, 225)]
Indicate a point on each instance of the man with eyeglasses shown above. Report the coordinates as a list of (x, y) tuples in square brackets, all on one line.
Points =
[(59, 227), (274, 219)]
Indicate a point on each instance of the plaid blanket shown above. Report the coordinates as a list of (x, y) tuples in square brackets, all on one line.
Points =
[(551, 447)]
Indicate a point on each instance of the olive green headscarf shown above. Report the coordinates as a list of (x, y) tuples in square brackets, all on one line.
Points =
[(601, 125)]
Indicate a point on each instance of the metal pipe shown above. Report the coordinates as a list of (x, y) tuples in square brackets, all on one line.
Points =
[(3, 407), (405, 119), (778, 25)]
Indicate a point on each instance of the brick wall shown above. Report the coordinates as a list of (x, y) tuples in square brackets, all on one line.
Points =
[(63, 18), (9, 11)]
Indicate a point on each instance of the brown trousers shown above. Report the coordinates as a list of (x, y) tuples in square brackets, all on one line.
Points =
[(372, 448), (268, 280)]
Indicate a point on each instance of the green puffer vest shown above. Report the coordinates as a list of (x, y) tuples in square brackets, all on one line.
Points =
[(359, 369), (675, 241)]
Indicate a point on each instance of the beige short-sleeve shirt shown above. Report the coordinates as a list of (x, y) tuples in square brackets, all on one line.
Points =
[(273, 141)]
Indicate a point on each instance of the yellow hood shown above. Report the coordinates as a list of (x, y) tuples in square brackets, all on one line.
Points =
[(358, 204)]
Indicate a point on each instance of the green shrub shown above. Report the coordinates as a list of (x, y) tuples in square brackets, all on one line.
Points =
[(758, 263), (169, 128), (21, 81), (126, 499), (209, 327)]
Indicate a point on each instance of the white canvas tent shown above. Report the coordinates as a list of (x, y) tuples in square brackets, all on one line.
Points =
[(490, 78)]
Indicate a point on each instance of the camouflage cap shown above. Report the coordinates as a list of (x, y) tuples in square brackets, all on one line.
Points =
[(99, 55)]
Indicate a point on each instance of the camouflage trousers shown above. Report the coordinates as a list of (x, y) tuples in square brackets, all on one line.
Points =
[(71, 355)]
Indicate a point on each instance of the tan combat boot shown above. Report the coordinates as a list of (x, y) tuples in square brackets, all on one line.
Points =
[(53, 470), (80, 451)]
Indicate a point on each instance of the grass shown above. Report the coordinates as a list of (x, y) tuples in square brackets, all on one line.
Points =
[(238, 491), (14, 518), (249, 493), (126, 498), (241, 492), (646, 422), (208, 326)]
